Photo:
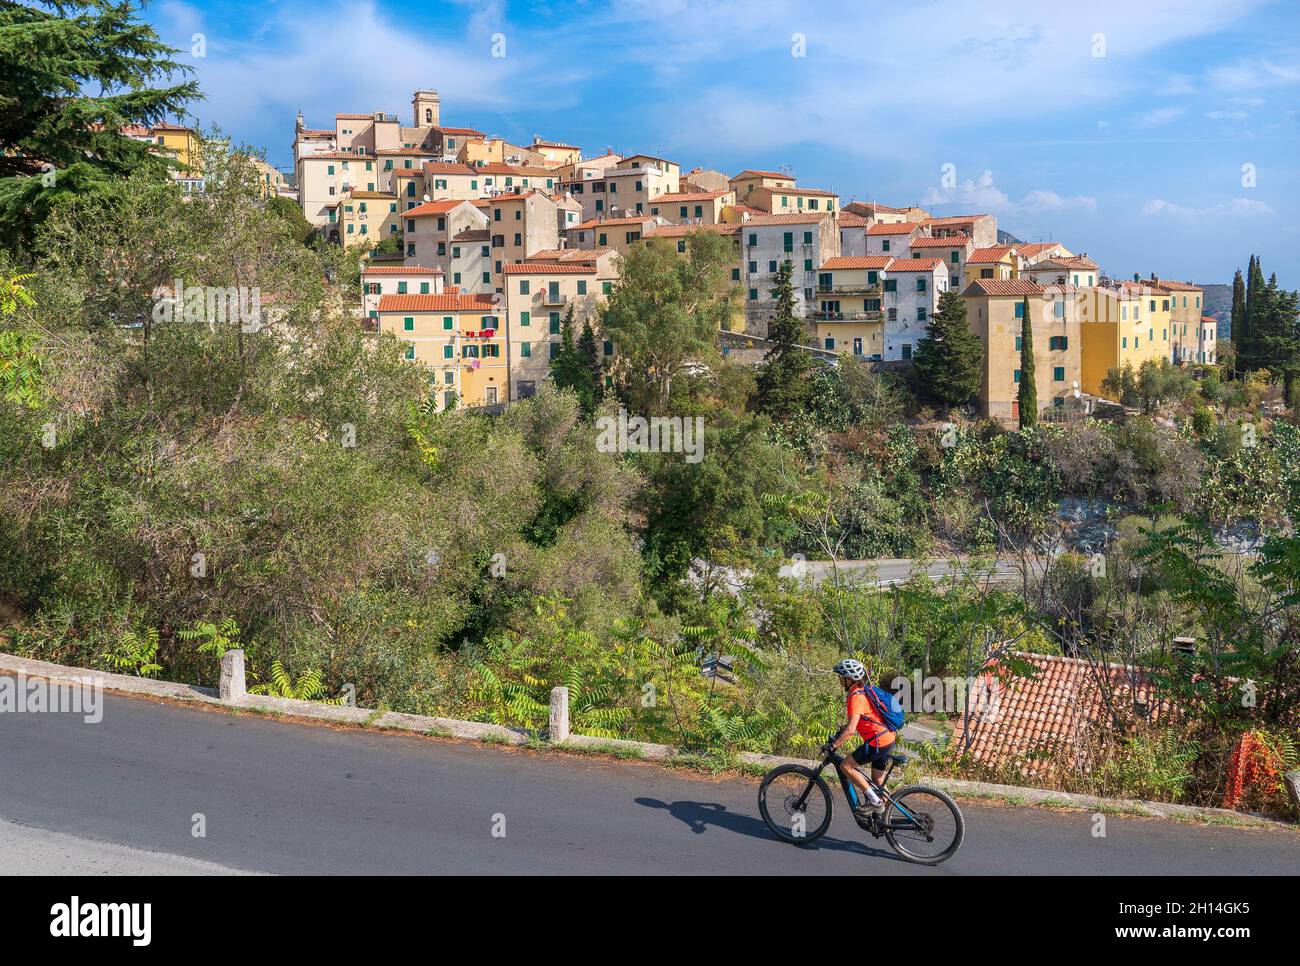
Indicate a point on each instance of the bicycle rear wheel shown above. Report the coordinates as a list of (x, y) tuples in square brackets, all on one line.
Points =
[(924, 825), (795, 803)]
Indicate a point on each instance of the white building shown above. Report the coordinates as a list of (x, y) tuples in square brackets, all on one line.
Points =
[(909, 297), (805, 240)]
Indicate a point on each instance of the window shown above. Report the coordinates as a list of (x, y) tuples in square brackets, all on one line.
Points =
[(956, 257), (891, 285), (1058, 309), (807, 238), (523, 286), (807, 265), (554, 350), (1058, 374), (525, 350), (447, 351), (753, 239), (920, 284), (1020, 310), (830, 342), (907, 350), (1015, 375), (1019, 343), (410, 350), (525, 318), (771, 266), (787, 241), (401, 288), (424, 288), (553, 323), (608, 348), (884, 245), (1058, 343), (408, 324), (582, 287), (920, 314)]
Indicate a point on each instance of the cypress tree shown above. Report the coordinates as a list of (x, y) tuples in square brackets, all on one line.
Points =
[(1027, 394), (949, 359), (1238, 323), (588, 351), (783, 377)]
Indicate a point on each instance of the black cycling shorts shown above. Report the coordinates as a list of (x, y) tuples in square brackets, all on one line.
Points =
[(866, 754)]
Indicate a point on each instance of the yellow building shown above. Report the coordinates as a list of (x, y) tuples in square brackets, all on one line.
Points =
[(748, 181), (459, 338), (1124, 323), (367, 217), (692, 207), (848, 313), (182, 143), (995, 262), (791, 200), (555, 154), (1186, 341), (995, 312)]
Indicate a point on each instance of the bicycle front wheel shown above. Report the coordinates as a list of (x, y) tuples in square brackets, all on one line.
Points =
[(795, 803), (924, 825)]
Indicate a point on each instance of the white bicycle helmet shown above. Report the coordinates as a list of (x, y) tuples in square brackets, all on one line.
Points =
[(851, 669)]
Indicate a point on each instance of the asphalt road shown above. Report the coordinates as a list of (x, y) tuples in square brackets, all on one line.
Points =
[(123, 795)]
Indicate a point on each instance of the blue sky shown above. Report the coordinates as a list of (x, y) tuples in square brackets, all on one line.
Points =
[(1155, 136)]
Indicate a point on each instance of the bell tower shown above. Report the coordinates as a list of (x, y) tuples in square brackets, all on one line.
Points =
[(426, 106)]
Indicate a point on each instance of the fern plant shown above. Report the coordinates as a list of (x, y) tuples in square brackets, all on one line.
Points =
[(306, 687), (135, 654), (214, 639)]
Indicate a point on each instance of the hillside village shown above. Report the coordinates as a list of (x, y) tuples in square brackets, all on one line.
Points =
[(491, 244)]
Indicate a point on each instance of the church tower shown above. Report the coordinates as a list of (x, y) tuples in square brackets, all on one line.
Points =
[(426, 106)]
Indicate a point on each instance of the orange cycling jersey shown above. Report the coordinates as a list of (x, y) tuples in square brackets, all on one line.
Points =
[(873, 731)]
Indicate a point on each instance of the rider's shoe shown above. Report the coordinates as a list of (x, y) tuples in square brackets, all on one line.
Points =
[(867, 812)]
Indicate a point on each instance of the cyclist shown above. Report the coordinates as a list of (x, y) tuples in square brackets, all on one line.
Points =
[(877, 738)]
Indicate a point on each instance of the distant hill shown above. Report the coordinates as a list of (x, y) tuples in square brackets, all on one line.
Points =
[(1006, 238), (1218, 303)]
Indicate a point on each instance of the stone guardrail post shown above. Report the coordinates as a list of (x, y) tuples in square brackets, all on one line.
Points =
[(559, 726), (1292, 787), (233, 687)]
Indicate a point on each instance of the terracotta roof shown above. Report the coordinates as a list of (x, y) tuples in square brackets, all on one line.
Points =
[(679, 196), (366, 195), (994, 253), (1036, 723), (512, 196), (356, 117), (549, 268), (408, 172), (902, 228), (1063, 262), (445, 302), (400, 270), (953, 220), (1170, 285), (472, 235), (751, 173), (555, 144), (957, 241), (459, 130), (308, 132), (433, 208), (915, 264), (681, 231), (450, 167), (567, 255), (335, 156), (856, 261), (849, 220), (1037, 248), (411, 151), (614, 222), (500, 167), (1209, 318), (807, 218), (1005, 286)]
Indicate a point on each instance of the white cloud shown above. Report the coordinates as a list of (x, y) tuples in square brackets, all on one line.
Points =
[(1226, 115), (1234, 208), (981, 195), (1257, 73), (1157, 116)]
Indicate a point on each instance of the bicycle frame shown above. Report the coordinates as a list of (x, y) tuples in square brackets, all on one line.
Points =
[(851, 792)]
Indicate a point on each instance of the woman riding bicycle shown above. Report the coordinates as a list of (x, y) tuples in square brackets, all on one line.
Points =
[(877, 738)]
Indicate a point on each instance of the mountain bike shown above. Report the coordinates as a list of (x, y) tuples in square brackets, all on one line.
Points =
[(920, 823)]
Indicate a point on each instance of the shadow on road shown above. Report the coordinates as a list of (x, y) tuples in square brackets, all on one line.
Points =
[(700, 815)]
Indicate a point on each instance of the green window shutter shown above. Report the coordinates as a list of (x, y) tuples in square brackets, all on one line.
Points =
[(582, 287), (410, 350), (424, 288), (525, 318), (447, 351), (448, 323), (606, 287), (525, 349), (523, 286), (554, 323), (408, 324), (1058, 374)]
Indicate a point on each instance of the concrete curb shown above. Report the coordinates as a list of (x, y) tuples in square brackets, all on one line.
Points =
[(1022, 794), (498, 734)]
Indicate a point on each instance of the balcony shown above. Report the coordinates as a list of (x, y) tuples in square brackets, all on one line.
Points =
[(555, 298), (824, 316), (850, 288)]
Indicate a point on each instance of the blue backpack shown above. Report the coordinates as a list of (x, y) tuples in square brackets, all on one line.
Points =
[(887, 706)]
